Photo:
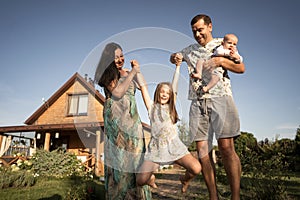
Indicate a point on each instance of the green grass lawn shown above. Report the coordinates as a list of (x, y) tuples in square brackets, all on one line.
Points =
[(70, 189), (55, 189), (268, 186)]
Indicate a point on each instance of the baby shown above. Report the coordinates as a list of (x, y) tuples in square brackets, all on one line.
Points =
[(229, 50)]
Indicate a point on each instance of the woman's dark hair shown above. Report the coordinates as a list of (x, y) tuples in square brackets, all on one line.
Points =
[(206, 19), (107, 57), (110, 74)]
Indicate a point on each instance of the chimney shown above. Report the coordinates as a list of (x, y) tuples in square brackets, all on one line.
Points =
[(91, 82)]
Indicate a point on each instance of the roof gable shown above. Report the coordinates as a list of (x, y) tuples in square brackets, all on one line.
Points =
[(75, 79)]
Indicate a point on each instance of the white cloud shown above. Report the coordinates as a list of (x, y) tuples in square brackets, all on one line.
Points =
[(287, 126), (285, 134)]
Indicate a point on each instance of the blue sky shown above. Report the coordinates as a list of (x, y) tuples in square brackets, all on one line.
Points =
[(44, 42)]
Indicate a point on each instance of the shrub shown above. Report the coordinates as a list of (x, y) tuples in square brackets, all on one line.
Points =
[(263, 166), (22, 178), (56, 163)]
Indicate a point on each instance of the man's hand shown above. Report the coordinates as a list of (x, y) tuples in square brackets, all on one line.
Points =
[(176, 58), (211, 64), (226, 63)]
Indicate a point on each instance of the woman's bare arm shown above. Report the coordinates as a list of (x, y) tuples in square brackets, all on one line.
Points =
[(120, 89)]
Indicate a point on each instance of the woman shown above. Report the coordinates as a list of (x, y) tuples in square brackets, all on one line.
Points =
[(124, 142)]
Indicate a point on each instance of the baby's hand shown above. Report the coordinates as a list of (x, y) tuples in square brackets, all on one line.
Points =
[(232, 48), (234, 55)]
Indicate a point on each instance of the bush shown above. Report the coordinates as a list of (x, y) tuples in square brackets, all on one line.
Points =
[(56, 163), (55, 167), (22, 178), (263, 166)]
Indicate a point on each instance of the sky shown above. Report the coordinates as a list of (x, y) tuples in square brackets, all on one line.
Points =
[(44, 42)]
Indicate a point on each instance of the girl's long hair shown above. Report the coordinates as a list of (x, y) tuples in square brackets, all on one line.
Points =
[(171, 103)]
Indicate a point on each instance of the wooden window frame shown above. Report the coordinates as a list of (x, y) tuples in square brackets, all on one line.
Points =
[(76, 98)]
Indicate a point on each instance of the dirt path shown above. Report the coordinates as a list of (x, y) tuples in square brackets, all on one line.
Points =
[(169, 186)]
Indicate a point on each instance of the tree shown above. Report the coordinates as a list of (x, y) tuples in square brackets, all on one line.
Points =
[(248, 150), (183, 132), (297, 140), (297, 150)]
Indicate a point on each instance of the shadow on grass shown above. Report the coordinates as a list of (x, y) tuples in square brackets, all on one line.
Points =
[(279, 187), (167, 181), (53, 197), (57, 189)]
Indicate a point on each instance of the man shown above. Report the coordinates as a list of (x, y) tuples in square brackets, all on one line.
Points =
[(206, 119)]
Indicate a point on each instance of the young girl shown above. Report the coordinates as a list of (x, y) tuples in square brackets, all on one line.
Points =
[(165, 146)]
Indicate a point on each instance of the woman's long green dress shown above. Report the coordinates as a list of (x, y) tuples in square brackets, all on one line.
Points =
[(124, 147)]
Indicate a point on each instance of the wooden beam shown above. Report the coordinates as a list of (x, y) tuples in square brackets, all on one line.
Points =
[(47, 127), (99, 168), (47, 142)]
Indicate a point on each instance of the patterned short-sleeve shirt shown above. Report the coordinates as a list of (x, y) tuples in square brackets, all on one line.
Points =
[(191, 55)]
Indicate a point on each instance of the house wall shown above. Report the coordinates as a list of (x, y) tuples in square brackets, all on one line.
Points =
[(77, 141), (57, 112)]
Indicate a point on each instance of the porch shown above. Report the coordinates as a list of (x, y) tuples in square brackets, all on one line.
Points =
[(84, 140)]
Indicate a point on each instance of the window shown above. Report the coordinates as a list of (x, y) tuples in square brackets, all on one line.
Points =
[(78, 104)]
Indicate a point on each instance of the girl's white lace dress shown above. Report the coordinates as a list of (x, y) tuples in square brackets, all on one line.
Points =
[(165, 146)]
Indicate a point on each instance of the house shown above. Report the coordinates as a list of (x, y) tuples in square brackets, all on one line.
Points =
[(71, 119)]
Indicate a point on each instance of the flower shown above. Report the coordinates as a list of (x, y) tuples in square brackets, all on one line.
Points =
[(19, 162), (29, 163), (15, 169)]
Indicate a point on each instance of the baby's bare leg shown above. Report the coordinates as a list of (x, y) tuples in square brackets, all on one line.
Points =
[(213, 81), (198, 70)]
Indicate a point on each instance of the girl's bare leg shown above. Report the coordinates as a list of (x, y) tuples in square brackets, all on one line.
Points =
[(145, 175), (151, 181), (193, 168)]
